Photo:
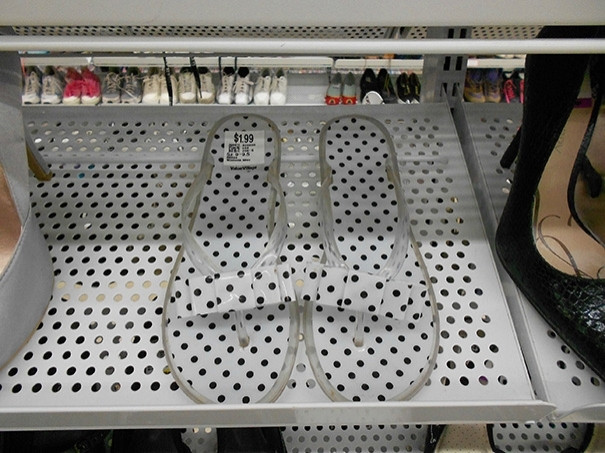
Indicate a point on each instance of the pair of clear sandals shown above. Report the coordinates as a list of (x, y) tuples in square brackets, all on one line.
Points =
[(232, 318)]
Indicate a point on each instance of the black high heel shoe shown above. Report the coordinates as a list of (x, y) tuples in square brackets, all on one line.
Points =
[(585, 194), (571, 299)]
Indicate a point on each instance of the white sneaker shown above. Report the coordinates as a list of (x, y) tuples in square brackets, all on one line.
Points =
[(164, 95), (132, 91), (187, 87), (243, 87), (52, 87), (225, 94), (151, 87), (207, 91), (279, 88), (111, 87), (32, 87), (263, 88)]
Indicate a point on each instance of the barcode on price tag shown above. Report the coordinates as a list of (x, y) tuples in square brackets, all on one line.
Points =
[(244, 148)]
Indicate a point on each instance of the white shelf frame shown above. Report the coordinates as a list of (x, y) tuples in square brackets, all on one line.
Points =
[(292, 13)]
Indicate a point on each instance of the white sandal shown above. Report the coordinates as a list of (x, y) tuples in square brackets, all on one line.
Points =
[(371, 324), (230, 322)]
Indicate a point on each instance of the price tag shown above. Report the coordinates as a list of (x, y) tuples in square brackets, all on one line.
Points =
[(244, 148)]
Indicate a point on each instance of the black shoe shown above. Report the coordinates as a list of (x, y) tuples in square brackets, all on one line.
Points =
[(81, 441), (250, 440), (408, 88), (385, 87), (585, 194), (402, 85), (368, 82), (148, 441), (414, 82), (571, 302)]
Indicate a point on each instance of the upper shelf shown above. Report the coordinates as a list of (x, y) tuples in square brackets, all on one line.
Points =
[(317, 40), (290, 13)]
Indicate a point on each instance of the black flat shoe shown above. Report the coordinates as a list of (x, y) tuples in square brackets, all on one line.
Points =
[(565, 285)]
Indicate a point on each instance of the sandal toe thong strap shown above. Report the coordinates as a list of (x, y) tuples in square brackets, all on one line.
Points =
[(240, 290), (341, 287)]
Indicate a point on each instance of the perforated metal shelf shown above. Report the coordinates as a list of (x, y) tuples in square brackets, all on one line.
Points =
[(558, 375), (111, 218), (507, 437)]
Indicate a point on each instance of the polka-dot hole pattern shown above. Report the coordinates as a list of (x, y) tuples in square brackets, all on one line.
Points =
[(124, 219), (543, 437), (492, 132)]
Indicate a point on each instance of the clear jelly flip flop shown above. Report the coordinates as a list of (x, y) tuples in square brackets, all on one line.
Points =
[(230, 322), (371, 324)]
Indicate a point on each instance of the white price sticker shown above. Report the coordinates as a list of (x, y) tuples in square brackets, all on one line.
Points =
[(244, 148)]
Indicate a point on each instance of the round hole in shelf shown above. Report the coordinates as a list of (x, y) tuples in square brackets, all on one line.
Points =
[(561, 364)]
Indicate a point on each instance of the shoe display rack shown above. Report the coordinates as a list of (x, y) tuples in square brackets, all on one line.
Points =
[(111, 217), (558, 375)]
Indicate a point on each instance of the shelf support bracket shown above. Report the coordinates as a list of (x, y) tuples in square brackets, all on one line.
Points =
[(444, 74)]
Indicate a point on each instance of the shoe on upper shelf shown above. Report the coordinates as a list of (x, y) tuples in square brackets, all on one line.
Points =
[(168, 92), (386, 89), (349, 90), (207, 91), (52, 86), (187, 86), (414, 82), (72, 94), (368, 82), (111, 87), (512, 89), (402, 85), (279, 88), (91, 87), (243, 86), (132, 90), (32, 86), (262, 88), (493, 85), (334, 92), (151, 86), (408, 88), (474, 86), (225, 94)]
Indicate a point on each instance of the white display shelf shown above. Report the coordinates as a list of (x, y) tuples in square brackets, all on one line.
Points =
[(558, 375), (111, 218), (292, 13)]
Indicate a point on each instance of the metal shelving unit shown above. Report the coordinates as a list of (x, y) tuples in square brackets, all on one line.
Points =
[(111, 218), (558, 375)]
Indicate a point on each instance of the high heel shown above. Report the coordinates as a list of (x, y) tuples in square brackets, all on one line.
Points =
[(569, 297), (585, 194), (26, 275)]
